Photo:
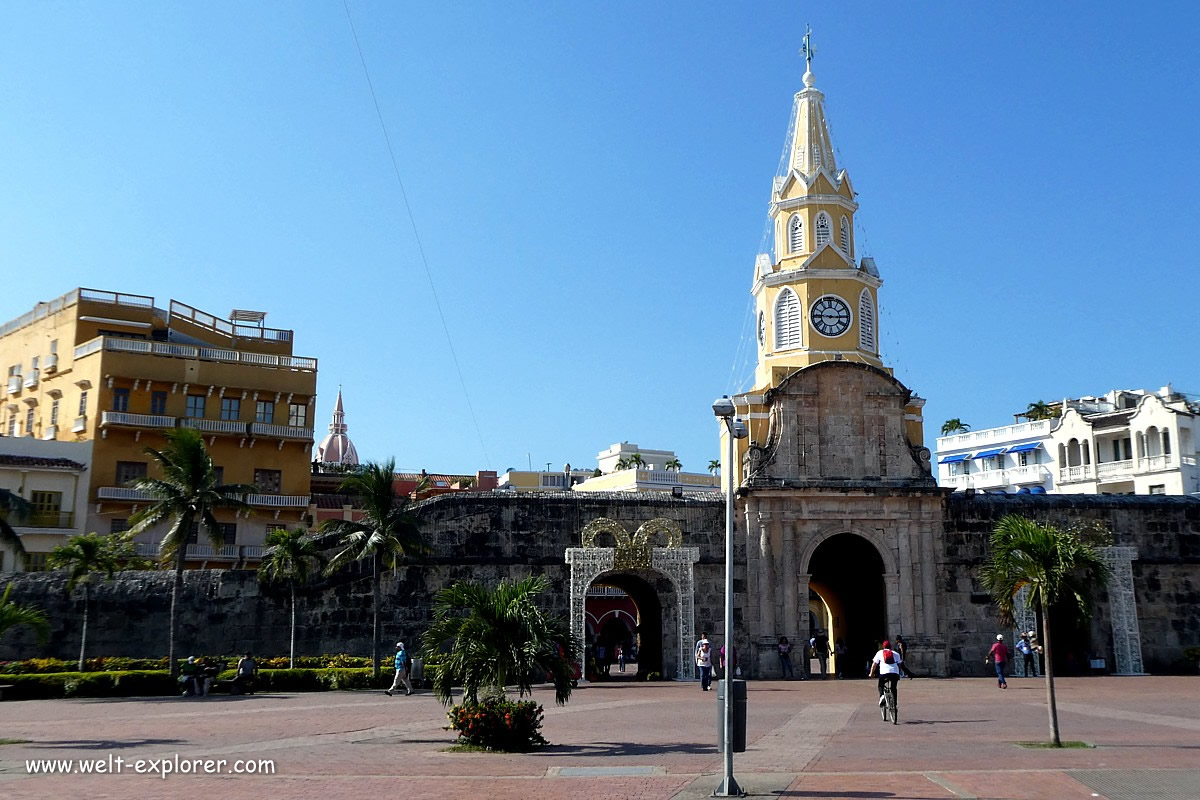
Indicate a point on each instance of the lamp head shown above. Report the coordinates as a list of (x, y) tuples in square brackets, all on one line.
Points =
[(738, 429), (723, 407)]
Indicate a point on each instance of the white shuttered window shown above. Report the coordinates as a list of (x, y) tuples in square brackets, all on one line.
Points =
[(846, 237), (866, 322), (787, 320), (823, 225), (795, 234)]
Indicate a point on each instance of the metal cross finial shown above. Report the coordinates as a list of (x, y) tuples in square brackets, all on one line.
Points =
[(807, 49)]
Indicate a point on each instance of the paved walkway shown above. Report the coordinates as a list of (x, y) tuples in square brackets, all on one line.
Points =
[(816, 739)]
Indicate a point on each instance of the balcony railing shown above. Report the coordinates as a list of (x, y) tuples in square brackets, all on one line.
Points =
[(236, 427), (278, 500), (1075, 474), (170, 349), (79, 425), (1187, 461), (121, 418), (49, 519), (51, 432), (122, 493), (14, 384), (228, 552), (51, 363), (225, 327), (957, 481), (1111, 469), (1033, 473), (280, 431), (31, 380), (1023, 430), (990, 478), (1155, 463)]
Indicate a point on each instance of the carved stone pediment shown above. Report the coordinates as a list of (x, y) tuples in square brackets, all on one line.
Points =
[(838, 424)]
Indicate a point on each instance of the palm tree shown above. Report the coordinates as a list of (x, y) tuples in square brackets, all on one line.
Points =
[(185, 497), (83, 556), (385, 533), (1040, 410), (291, 558), (13, 508), (1055, 566), (623, 463), (484, 638), (674, 464), (714, 466), (953, 426), (636, 461), (14, 614)]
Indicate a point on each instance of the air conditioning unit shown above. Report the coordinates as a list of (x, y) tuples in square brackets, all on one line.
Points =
[(51, 364)]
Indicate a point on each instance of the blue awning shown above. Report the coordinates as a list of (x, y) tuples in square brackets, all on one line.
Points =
[(955, 458), (1024, 448), (995, 451)]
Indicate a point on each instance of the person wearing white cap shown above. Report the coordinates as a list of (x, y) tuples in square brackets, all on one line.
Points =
[(1025, 648), (999, 656), (401, 672)]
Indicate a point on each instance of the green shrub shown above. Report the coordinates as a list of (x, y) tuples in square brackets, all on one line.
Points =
[(129, 683), (512, 726), (43, 666)]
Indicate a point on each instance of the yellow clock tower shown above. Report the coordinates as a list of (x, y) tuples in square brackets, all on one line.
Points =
[(814, 302)]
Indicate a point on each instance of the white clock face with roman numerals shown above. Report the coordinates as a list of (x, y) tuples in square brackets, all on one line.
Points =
[(830, 315)]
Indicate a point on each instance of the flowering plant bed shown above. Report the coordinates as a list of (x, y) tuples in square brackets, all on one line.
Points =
[(498, 724)]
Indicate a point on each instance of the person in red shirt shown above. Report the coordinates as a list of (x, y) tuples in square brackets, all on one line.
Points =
[(999, 656)]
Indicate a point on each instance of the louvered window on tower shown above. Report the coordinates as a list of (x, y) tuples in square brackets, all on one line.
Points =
[(823, 232), (866, 322), (846, 237), (787, 320), (795, 234)]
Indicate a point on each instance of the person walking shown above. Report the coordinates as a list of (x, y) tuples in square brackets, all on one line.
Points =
[(998, 655), (601, 658), (785, 658), (703, 640), (704, 664), (620, 652), (839, 657), (1037, 653), (902, 647), (821, 648), (729, 669), (401, 672), (1026, 651)]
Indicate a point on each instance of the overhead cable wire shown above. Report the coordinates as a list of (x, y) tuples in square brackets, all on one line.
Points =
[(416, 235)]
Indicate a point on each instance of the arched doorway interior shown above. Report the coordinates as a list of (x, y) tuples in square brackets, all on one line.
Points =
[(609, 621), (847, 576)]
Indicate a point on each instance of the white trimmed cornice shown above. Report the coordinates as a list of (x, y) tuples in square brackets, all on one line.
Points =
[(784, 277), (779, 206)]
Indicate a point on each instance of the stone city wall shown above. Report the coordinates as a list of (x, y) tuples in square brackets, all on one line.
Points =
[(1165, 532), (484, 536)]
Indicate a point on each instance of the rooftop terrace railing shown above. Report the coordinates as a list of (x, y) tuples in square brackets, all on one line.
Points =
[(225, 327), (43, 310), (170, 349)]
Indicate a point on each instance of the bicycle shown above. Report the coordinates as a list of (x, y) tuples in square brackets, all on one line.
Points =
[(890, 707)]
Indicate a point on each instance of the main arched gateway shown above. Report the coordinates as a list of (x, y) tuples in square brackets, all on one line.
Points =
[(842, 519), (611, 556)]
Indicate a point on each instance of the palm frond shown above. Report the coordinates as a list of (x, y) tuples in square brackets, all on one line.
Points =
[(14, 614)]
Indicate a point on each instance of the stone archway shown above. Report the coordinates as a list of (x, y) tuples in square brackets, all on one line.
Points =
[(637, 553)]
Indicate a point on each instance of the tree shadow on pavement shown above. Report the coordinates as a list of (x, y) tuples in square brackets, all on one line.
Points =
[(100, 744), (942, 721), (170, 698), (627, 749)]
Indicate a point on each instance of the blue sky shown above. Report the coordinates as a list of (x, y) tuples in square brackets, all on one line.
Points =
[(590, 186)]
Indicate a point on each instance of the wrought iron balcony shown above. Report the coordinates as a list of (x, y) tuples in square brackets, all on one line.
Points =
[(280, 431), (123, 419), (278, 500), (123, 493)]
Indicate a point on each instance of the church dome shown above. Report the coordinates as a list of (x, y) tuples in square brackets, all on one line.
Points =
[(336, 447)]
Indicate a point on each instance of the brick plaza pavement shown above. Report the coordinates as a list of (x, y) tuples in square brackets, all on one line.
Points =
[(635, 740)]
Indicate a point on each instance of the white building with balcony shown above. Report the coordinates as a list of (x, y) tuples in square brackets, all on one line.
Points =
[(51, 477), (1124, 442)]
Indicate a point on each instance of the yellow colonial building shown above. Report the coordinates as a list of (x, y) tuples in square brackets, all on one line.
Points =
[(115, 370), (813, 301)]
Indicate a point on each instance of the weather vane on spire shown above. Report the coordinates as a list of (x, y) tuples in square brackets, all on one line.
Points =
[(807, 49)]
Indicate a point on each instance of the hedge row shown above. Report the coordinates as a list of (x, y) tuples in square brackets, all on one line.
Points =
[(130, 683), (35, 666)]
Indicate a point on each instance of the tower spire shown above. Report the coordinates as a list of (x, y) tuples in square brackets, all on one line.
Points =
[(812, 147), (336, 447)]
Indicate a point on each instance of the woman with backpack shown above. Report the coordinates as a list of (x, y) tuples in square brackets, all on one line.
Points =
[(886, 664)]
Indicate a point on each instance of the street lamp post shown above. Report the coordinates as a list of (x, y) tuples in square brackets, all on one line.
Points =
[(736, 429)]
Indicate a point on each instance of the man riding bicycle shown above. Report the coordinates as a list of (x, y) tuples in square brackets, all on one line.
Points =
[(887, 664)]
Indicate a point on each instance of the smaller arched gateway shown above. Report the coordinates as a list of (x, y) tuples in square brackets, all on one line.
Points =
[(663, 576)]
